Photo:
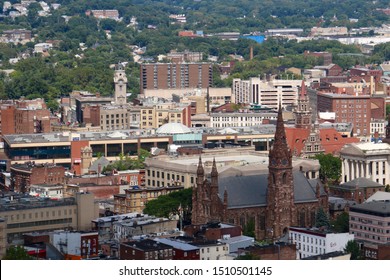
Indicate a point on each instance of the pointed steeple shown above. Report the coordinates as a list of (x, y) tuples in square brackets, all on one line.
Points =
[(280, 154), (214, 175), (303, 93), (280, 133), (200, 170), (214, 171)]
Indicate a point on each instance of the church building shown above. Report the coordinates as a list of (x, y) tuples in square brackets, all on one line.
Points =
[(271, 201)]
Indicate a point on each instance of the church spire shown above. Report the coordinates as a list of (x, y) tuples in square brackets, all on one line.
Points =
[(303, 92), (200, 170), (280, 152)]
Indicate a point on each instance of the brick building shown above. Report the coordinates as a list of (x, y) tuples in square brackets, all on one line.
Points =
[(277, 251), (145, 250), (348, 109), (24, 175), (181, 250), (24, 117), (175, 75), (273, 201)]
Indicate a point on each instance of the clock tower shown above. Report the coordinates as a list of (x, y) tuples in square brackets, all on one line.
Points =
[(280, 192), (120, 81)]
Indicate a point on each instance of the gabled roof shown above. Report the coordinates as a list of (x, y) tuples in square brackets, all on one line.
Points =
[(360, 183), (251, 191), (365, 149), (331, 140), (95, 165)]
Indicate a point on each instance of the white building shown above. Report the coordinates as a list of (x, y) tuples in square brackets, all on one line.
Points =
[(377, 126), (240, 119), (312, 242), (56, 192), (237, 242), (367, 160), (213, 250), (267, 93)]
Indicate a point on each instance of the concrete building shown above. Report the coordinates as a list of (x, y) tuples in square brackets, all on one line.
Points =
[(186, 56), (171, 75), (32, 214), (312, 242), (241, 119), (367, 160), (166, 171), (370, 222), (267, 93), (65, 148)]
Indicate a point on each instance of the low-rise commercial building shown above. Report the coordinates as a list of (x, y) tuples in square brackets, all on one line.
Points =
[(312, 242)]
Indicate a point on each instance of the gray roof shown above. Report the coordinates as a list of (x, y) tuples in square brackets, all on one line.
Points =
[(360, 183), (376, 208), (176, 244), (251, 191), (95, 165)]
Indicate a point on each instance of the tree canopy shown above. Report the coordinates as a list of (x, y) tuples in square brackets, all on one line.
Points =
[(16, 253), (330, 170), (169, 205)]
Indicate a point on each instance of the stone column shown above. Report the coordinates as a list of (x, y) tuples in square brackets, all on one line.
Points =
[(373, 177), (353, 175), (346, 164), (367, 170)]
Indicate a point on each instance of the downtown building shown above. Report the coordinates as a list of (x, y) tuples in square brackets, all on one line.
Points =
[(266, 93), (156, 76)]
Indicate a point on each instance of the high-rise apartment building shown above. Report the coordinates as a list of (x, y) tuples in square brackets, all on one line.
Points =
[(173, 76)]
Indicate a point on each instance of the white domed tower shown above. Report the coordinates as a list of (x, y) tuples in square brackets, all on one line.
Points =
[(120, 81)]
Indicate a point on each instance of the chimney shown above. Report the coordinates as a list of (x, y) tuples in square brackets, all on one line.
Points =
[(251, 53)]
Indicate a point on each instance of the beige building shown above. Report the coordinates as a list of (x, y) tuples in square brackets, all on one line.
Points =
[(162, 171), (32, 214), (154, 116), (367, 160), (135, 199), (217, 96)]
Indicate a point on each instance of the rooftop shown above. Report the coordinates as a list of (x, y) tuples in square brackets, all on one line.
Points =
[(376, 208)]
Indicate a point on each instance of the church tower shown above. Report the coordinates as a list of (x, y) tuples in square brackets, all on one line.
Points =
[(120, 81), (302, 112), (280, 194), (206, 203)]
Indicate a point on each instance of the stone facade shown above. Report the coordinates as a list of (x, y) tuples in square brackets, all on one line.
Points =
[(283, 199)]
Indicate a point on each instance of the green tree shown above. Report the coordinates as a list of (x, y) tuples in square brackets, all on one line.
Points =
[(330, 170), (322, 219), (352, 247), (168, 205), (341, 223), (16, 253), (248, 256), (249, 228)]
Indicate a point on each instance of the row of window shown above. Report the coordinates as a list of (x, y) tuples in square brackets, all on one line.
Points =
[(66, 222), (42, 214)]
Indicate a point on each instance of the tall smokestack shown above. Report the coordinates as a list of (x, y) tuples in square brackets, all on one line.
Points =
[(251, 53)]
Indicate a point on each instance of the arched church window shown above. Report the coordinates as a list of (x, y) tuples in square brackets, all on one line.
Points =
[(284, 178)]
